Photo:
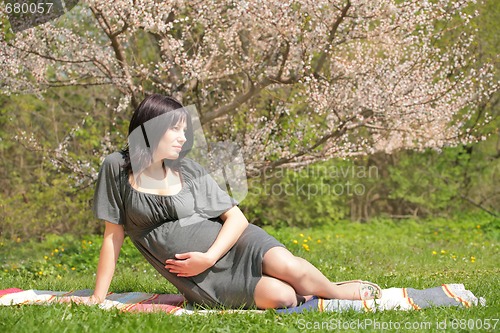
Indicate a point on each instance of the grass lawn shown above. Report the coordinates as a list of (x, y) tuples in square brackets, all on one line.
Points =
[(390, 253)]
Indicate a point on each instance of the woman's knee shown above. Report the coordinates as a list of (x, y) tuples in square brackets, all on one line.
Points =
[(283, 265), (273, 293)]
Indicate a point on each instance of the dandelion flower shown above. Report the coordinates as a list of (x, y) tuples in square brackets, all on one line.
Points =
[(434, 253), (301, 235), (73, 268), (295, 241), (318, 241), (478, 226), (45, 257), (56, 250), (305, 240), (443, 252), (472, 259)]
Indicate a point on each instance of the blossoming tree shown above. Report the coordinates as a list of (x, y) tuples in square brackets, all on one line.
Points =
[(292, 82)]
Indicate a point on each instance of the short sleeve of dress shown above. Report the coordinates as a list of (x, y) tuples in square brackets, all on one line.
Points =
[(210, 200), (108, 203)]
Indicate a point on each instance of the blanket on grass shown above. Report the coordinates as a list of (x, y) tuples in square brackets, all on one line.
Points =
[(392, 299)]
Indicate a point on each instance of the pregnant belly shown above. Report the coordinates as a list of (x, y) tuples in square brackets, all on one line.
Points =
[(172, 238)]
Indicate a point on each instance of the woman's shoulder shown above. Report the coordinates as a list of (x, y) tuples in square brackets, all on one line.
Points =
[(114, 161), (192, 167)]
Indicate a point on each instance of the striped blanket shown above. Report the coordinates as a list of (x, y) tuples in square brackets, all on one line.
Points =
[(392, 299)]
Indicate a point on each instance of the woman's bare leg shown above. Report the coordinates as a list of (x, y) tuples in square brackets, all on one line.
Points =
[(272, 293), (303, 277)]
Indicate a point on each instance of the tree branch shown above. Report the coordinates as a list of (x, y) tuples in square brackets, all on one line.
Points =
[(331, 37), (253, 90), (237, 101), (479, 206), (119, 52), (337, 133)]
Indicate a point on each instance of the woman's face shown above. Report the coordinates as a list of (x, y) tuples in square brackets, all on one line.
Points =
[(170, 144)]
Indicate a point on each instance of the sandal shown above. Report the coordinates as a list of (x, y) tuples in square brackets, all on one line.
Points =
[(367, 290)]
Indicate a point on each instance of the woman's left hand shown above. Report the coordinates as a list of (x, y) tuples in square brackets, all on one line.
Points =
[(189, 264)]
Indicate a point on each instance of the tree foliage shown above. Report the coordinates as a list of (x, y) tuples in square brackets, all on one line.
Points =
[(293, 82), (298, 84)]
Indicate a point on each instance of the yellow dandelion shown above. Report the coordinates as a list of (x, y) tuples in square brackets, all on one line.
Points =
[(40, 273), (295, 241), (73, 268), (434, 253), (478, 226), (18, 240), (309, 237), (443, 252), (454, 257), (90, 242), (472, 259), (56, 250), (59, 277), (318, 241), (301, 235), (306, 247), (45, 257), (6, 270), (62, 249), (59, 265), (305, 240)]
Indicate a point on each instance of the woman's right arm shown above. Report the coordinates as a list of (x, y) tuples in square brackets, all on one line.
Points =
[(111, 245)]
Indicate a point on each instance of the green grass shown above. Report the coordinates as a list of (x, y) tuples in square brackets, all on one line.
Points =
[(390, 253)]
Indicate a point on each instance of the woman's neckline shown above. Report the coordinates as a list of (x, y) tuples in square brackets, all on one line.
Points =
[(183, 186)]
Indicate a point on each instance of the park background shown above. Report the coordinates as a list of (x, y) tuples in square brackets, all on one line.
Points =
[(371, 143)]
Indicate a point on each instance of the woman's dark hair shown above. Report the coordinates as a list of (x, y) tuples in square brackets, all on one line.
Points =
[(152, 118)]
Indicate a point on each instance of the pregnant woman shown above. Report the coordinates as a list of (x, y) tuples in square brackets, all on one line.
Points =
[(190, 230)]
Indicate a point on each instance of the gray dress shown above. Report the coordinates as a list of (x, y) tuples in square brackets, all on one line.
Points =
[(162, 225)]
